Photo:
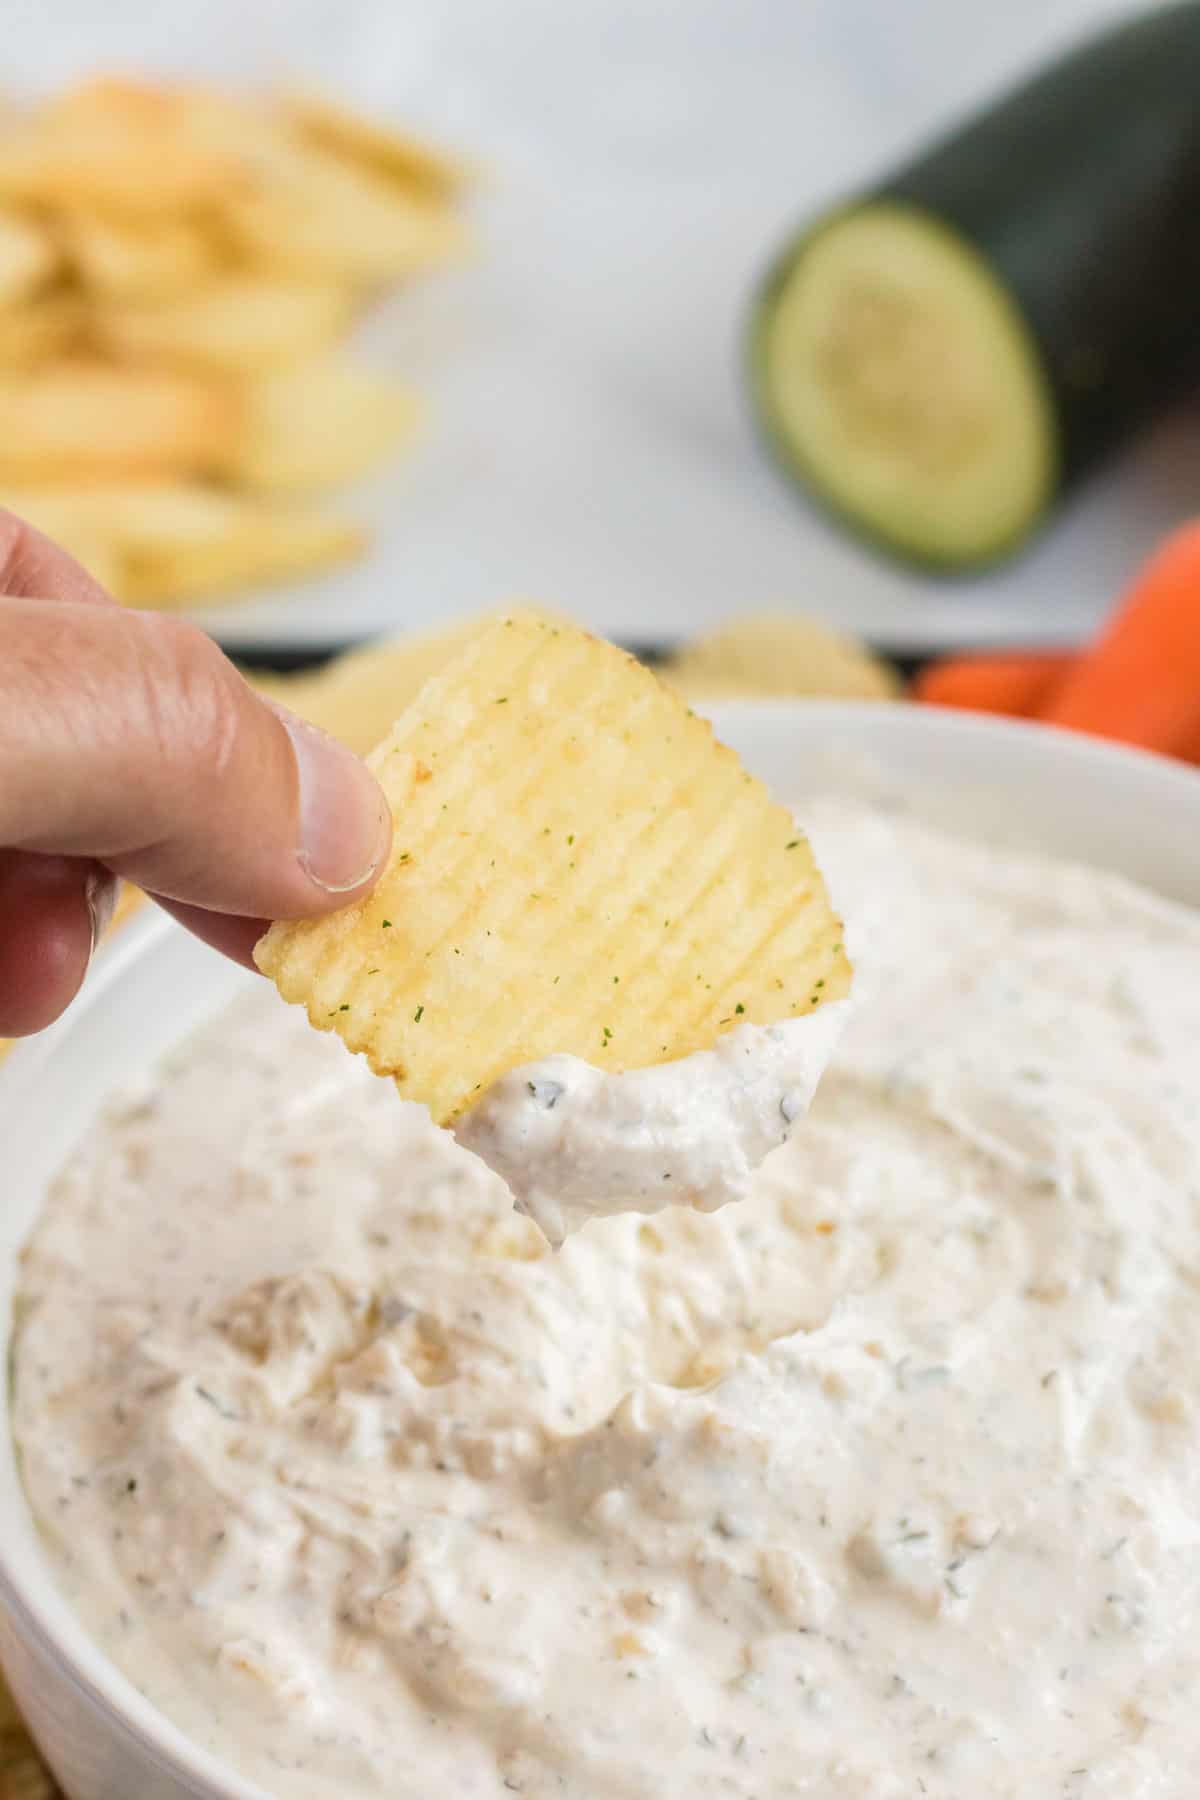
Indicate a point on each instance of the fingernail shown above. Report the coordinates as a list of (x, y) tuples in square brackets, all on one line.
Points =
[(100, 893), (344, 826)]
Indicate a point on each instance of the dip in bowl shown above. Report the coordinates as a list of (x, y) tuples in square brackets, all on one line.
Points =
[(871, 1481)]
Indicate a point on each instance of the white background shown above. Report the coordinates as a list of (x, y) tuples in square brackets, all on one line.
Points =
[(588, 442)]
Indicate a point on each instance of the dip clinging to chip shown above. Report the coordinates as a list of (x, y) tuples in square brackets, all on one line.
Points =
[(598, 937)]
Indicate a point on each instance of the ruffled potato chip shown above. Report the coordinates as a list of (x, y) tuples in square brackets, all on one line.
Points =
[(778, 655), (237, 322), (168, 543), (319, 423), (77, 418), (408, 161), (28, 257), (578, 867), (119, 260), (119, 147), (358, 697), (314, 215), (41, 329)]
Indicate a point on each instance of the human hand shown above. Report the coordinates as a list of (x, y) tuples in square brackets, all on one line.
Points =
[(130, 746)]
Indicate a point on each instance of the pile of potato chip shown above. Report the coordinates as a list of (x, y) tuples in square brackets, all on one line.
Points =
[(177, 268)]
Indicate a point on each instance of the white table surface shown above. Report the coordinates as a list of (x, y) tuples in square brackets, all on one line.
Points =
[(589, 443)]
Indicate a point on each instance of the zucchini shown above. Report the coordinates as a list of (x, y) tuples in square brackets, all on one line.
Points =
[(941, 359)]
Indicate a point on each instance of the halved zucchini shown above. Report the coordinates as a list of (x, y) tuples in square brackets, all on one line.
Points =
[(942, 357), (902, 380)]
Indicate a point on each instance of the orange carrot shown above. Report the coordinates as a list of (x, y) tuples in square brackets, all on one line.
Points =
[(1141, 681), (1019, 683), (1189, 749)]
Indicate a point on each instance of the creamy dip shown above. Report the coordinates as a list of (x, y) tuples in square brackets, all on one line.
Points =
[(882, 1483), (573, 1142)]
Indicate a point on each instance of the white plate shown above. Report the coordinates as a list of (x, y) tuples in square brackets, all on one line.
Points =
[(589, 444), (1017, 783)]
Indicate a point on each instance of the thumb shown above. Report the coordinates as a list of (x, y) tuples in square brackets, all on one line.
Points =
[(128, 737)]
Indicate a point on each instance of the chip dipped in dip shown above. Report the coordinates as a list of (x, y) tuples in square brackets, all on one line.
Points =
[(573, 1142)]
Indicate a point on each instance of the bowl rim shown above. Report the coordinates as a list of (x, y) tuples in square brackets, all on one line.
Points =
[(917, 718), (40, 1610)]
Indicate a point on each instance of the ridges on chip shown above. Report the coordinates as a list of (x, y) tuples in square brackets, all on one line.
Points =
[(578, 866)]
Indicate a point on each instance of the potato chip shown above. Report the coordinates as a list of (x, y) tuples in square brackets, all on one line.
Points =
[(259, 547), (578, 866), (153, 111), (122, 104), (319, 423), (40, 328), (179, 542), (409, 161), (123, 260), (187, 544), (778, 654), (121, 147), (84, 538), (58, 513), (298, 690), (129, 900), (175, 541), (311, 214), (367, 689), (357, 696), (95, 552), (238, 321), (73, 419), (28, 257)]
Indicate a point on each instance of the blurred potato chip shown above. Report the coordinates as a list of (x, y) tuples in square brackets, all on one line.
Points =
[(140, 108), (182, 542), (778, 654), (128, 902), (147, 111), (80, 535), (319, 423), (96, 552), (299, 690), (119, 260), (176, 541), (28, 257), (311, 214), (176, 263), (40, 328), (358, 697), (239, 321), (121, 147), (257, 549), (72, 419), (402, 158), (578, 866)]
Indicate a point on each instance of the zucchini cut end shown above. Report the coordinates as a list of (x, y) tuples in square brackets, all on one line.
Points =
[(896, 377)]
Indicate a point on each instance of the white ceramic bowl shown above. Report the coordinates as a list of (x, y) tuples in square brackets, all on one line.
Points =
[(1020, 784)]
